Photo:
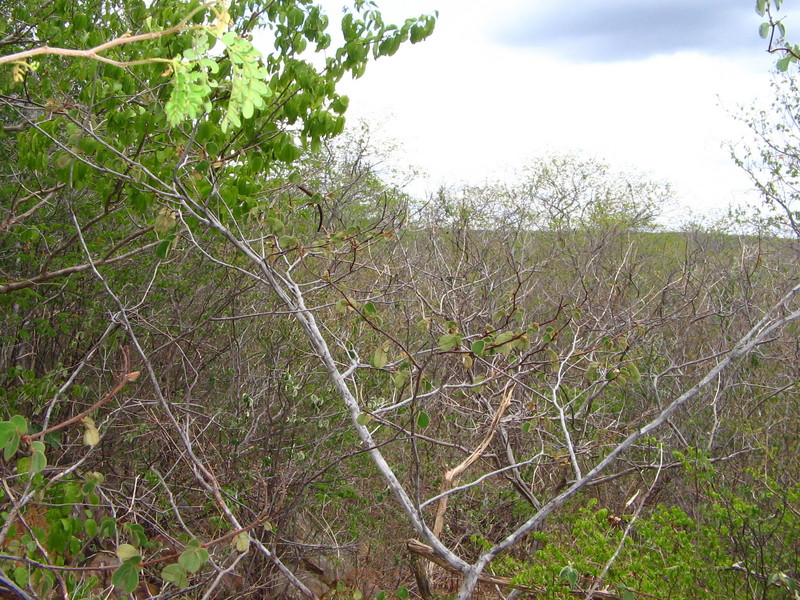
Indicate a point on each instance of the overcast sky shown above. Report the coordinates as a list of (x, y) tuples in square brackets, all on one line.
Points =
[(646, 85)]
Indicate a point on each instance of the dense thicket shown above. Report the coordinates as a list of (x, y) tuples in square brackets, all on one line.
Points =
[(235, 362)]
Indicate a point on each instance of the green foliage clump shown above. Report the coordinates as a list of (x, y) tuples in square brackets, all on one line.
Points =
[(666, 554)]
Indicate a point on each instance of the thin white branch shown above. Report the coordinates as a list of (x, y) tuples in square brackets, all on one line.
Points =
[(481, 479), (759, 334)]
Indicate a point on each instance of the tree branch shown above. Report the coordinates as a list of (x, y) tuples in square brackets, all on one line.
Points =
[(26, 283)]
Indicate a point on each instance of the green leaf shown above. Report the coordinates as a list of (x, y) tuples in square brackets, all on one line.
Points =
[(108, 527), (88, 487), (363, 419), (417, 33), (449, 341), (21, 576), (478, 347), (90, 527), (193, 557), (127, 552), (783, 63), (136, 534), (570, 574), (339, 106), (522, 342), (295, 17), (20, 423), (209, 64), (379, 358), (162, 250), (504, 337), (247, 109), (91, 437), (287, 242), (276, 226), (46, 582), (38, 459), (763, 30), (126, 577), (23, 465), (341, 306), (288, 153), (553, 357), (176, 575), (95, 477), (628, 595), (423, 420), (7, 431), (165, 220), (503, 343), (11, 446), (241, 541), (634, 376), (389, 46), (400, 378), (761, 7)]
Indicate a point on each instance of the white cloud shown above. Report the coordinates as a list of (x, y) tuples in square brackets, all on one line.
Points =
[(603, 30), (468, 109)]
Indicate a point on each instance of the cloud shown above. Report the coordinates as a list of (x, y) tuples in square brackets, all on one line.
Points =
[(621, 30)]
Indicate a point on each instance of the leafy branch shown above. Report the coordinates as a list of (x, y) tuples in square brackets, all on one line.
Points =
[(124, 380), (776, 31), (21, 58)]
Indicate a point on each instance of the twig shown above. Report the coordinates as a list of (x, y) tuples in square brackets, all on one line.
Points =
[(26, 283), (94, 53), (105, 400)]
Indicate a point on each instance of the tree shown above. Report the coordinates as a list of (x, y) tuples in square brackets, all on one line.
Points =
[(124, 125), (772, 160)]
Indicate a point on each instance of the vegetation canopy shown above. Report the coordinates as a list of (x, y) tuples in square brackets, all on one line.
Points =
[(236, 361)]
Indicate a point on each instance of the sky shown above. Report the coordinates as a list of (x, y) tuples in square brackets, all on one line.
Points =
[(649, 86)]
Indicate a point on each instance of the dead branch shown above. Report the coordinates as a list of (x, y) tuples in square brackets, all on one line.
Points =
[(451, 476)]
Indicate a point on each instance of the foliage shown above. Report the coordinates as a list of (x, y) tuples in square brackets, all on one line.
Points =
[(775, 30), (107, 121), (667, 555), (772, 159), (190, 261)]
